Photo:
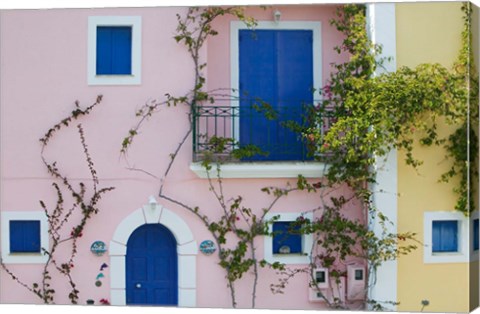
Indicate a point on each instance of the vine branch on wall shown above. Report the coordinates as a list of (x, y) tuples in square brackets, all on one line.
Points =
[(82, 209)]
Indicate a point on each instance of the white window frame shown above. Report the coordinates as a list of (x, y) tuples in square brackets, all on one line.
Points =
[(464, 245), (307, 241), (24, 258), (130, 79)]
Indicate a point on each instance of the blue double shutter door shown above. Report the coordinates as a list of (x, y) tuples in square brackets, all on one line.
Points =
[(24, 236), (275, 67), (151, 266), (444, 236), (114, 50)]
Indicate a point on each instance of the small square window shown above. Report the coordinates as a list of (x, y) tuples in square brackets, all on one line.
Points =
[(444, 236), (24, 236), (358, 274), (286, 238), (285, 244), (114, 50), (320, 277), (475, 235)]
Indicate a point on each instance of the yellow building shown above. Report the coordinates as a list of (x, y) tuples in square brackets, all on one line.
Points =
[(433, 278)]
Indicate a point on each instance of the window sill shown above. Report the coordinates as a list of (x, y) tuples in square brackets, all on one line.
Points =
[(25, 258), (446, 254), (446, 258), (288, 259), (262, 170), (114, 79)]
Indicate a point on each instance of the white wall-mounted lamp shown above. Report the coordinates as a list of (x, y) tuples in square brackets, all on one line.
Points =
[(153, 202), (277, 15)]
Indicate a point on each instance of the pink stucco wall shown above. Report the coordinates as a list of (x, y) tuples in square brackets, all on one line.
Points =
[(43, 59)]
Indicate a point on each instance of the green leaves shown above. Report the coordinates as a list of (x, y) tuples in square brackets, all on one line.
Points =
[(396, 110)]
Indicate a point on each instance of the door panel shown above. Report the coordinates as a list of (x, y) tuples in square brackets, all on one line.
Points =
[(151, 266), (277, 67)]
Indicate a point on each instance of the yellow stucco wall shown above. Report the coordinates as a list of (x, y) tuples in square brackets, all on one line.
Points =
[(427, 32)]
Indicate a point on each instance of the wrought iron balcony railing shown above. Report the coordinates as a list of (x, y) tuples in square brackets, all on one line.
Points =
[(274, 134)]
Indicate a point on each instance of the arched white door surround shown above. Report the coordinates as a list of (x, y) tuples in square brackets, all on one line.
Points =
[(186, 250)]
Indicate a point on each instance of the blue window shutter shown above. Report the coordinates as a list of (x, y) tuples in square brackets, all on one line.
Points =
[(284, 234), (275, 66), (445, 236), (114, 50), (25, 236), (475, 235)]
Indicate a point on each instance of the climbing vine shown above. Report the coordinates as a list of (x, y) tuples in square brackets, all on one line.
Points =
[(238, 256), (83, 206), (371, 115), (375, 114)]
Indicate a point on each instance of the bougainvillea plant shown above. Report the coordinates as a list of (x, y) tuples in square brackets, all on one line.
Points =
[(74, 205), (238, 256)]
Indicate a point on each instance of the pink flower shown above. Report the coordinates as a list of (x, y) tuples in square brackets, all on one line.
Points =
[(104, 302)]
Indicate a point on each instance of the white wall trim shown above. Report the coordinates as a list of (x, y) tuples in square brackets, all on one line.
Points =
[(382, 31), (24, 258), (187, 250), (136, 23), (464, 247), (307, 241), (262, 170)]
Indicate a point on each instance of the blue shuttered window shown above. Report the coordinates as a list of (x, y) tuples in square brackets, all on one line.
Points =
[(286, 238), (114, 50), (445, 236), (25, 236), (475, 235)]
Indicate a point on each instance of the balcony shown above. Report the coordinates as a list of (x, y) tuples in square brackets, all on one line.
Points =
[(255, 136)]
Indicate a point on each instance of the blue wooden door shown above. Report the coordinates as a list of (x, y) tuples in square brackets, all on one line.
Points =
[(151, 266), (275, 66)]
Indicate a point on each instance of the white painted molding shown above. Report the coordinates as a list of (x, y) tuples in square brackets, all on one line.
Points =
[(128, 225), (263, 170), (117, 249), (462, 256), (381, 29), (117, 297), (187, 250), (23, 258), (307, 241), (133, 79), (177, 226), (189, 297), (152, 216)]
